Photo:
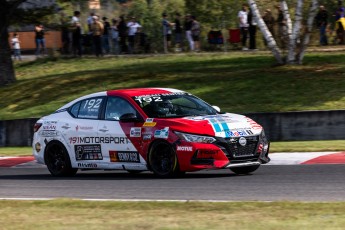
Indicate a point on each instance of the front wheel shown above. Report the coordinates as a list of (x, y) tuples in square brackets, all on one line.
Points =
[(245, 170), (163, 160), (58, 161)]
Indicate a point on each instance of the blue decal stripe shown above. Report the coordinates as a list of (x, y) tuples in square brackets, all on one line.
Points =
[(215, 125)]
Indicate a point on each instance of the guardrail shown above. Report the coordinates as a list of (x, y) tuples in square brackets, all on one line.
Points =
[(287, 126)]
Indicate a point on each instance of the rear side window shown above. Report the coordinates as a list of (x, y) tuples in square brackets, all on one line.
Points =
[(88, 108)]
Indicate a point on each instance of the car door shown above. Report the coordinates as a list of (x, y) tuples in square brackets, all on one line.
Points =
[(82, 135), (121, 140)]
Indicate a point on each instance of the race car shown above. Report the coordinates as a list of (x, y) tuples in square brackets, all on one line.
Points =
[(166, 131)]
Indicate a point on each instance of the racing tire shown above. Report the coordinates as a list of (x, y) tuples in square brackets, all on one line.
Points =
[(245, 170), (163, 160), (58, 161)]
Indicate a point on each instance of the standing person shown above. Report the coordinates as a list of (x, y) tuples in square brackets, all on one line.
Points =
[(166, 32), (16, 47), (39, 38), (178, 32), (97, 31), (122, 28), (322, 21), (243, 20), (188, 28), (269, 21), (105, 37), (89, 21), (76, 34), (132, 29), (196, 29), (252, 21), (115, 36)]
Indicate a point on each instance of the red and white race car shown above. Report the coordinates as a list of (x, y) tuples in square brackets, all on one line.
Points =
[(166, 131)]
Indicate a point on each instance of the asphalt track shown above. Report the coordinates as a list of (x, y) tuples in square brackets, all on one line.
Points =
[(275, 182)]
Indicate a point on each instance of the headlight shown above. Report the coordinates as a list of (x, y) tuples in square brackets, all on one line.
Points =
[(264, 140), (195, 138)]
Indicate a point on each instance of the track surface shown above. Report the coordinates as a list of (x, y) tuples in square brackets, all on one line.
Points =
[(268, 183)]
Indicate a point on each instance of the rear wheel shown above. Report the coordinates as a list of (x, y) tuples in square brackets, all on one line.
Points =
[(58, 161), (245, 170), (163, 160)]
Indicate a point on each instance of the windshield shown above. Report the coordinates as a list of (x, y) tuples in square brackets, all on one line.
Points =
[(173, 105)]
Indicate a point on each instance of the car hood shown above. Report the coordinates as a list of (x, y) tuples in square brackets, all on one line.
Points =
[(220, 125)]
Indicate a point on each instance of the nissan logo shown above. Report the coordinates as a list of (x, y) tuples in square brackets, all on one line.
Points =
[(242, 141)]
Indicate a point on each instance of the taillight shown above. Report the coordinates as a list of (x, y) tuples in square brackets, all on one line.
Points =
[(37, 126)]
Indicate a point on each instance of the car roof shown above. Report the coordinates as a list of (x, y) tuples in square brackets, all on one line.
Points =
[(142, 91)]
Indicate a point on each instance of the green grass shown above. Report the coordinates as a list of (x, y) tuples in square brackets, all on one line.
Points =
[(237, 82), (69, 214), (291, 146)]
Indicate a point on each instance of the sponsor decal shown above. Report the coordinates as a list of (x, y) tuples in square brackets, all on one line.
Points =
[(66, 126), (147, 137), (84, 128), (239, 133), (242, 141), (154, 97), (149, 123), (48, 133), (164, 133), (87, 165), (206, 153), (135, 132), (38, 147), (185, 148), (99, 140), (88, 152), (253, 124), (124, 156)]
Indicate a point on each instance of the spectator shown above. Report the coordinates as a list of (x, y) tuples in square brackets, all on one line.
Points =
[(243, 20), (97, 31), (115, 36), (122, 28), (188, 28), (132, 29), (90, 21), (340, 23), (39, 38), (321, 22), (196, 29), (76, 34), (178, 32), (16, 47), (252, 21), (105, 37), (282, 33), (166, 32), (269, 21)]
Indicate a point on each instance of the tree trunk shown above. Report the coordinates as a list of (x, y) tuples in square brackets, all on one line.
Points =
[(271, 43), (291, 59), (287, 17), (312, 13), (7, 74)]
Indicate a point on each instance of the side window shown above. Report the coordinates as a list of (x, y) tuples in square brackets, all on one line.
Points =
[(116, 107), (90, 108), (75, 109)]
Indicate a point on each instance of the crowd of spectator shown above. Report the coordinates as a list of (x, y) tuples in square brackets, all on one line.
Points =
[(125, 36)]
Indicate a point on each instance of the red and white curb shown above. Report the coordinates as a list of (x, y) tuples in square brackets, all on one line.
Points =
[(293, 158)]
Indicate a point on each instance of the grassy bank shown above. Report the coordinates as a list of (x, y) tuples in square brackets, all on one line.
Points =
[(237, 82), (68, 214), (291, 146)]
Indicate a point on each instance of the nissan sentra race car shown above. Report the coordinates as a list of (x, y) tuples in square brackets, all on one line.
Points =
[(166, 131)]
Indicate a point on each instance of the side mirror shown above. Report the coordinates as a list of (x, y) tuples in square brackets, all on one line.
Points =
[(216, 108), (130, 117)]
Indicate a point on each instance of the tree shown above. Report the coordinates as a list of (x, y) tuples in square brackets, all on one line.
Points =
[(296, 33), (7, 9), (12, 13)]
